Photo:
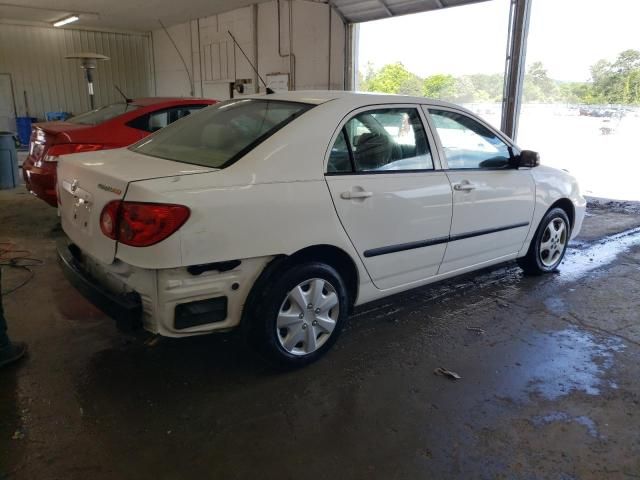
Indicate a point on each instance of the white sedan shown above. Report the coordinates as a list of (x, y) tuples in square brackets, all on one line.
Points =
[(280, 213)]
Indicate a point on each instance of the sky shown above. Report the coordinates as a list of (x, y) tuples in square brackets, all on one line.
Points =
[(567, 36)]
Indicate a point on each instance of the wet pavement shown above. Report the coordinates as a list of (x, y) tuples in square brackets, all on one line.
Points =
[(549, 388)]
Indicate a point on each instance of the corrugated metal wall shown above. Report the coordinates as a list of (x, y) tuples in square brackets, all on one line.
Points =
[(34, 56)]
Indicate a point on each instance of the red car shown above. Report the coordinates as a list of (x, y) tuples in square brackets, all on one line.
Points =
[(113, 126)]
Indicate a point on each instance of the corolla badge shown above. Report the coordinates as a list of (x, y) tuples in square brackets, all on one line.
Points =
[(108, 188)]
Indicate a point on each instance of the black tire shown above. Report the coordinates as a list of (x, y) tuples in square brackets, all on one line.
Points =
[(262, 314), (533, 263)]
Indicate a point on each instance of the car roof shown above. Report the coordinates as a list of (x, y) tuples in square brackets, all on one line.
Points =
[(148, 101), (317, 97)]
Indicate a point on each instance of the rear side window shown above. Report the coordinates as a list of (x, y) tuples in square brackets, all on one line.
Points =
[(384, 140), (102, 114), (154, 121), (221, 134), (467, 143)]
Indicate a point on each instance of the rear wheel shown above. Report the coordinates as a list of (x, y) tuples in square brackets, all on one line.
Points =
[(549, 244), (298, 316)]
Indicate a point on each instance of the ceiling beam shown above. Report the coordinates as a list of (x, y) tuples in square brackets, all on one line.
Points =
[(386, 8)]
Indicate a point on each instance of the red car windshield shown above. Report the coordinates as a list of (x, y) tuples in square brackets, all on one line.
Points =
[(102, 114)]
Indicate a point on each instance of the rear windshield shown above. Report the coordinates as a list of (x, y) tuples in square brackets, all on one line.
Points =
[(218, 135), (102, 114)]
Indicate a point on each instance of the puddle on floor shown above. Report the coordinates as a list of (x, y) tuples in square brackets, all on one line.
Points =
[(583, 258), (556, 417), (568, 361)]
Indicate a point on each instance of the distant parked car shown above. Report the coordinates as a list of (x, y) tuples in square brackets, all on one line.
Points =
[(281, 212), (112, 126)]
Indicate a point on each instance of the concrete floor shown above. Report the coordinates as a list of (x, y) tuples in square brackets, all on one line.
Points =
[(549, 387)]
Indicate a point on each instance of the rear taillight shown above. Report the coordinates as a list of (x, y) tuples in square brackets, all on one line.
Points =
[(109, 219), (54, 151), (141, 224)]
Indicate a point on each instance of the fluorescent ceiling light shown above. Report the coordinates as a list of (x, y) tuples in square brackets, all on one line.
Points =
[(65, 21)]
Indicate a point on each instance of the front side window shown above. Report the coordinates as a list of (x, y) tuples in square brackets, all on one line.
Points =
[(467, 143), (390, 139), (221, 134)]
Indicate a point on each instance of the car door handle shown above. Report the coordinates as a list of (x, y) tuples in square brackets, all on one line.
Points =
[(464, 186), (355, 194)]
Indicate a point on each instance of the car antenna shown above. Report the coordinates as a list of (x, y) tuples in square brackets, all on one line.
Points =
[(126, 99), (267, 89)]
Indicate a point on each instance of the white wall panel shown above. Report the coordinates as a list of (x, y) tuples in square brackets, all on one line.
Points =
[(217, 62), (170, 76), (34, 56)]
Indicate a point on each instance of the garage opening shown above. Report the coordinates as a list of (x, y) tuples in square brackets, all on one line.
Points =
[(454, 54), (580, 91), (580, 106)]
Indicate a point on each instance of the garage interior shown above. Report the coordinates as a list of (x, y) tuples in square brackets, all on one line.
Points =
[(549, 365)]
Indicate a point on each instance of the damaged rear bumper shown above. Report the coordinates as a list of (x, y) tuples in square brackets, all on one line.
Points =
[(126, 309)]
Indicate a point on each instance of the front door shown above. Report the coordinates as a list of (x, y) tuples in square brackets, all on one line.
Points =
[(492, 202), (393, 204)]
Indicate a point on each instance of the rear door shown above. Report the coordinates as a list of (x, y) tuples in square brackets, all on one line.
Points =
[(492, 202), (392, 201)]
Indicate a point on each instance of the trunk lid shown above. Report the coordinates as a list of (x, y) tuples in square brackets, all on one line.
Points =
[(45, 134), (88, 181)]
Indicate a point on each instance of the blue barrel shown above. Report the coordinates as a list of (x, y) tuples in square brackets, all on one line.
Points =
[(24, 128), (55, 116), (8, 161)]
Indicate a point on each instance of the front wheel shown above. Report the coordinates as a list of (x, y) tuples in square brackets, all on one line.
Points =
[(299, 315), (548, 245)]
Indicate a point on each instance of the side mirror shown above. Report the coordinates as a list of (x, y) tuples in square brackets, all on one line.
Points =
[(526, 158)]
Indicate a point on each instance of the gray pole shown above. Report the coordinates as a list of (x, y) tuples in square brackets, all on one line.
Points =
[(515, 65), (89, 73)]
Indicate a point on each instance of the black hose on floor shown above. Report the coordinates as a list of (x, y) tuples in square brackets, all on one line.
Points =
[(12, 257)]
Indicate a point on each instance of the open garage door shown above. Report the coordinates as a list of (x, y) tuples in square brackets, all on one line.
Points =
[(356, 11)]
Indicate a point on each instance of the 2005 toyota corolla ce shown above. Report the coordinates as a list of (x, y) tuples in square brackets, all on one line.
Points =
[(279, 213)]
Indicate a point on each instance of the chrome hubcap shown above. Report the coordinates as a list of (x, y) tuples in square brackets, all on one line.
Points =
[(554, 241), (308, 316)]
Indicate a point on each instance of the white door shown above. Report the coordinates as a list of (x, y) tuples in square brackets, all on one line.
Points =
[(393, 204), (7, 115), (492, 202)]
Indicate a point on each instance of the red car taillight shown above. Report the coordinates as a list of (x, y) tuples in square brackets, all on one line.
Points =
[(55, 151), (141, 224)]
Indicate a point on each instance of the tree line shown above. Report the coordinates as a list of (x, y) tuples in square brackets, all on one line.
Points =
[(616, 82)]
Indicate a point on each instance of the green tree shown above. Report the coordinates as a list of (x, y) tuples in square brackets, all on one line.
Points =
[(617, 82), (411, 86), (488, 87), (575, 92), (627, 62), (465, 91), (538, 86), (393, 78), (440, 86)]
